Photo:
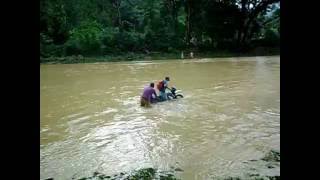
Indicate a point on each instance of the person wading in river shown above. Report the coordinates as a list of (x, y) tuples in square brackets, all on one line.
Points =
[(162, 86), (147, 95)]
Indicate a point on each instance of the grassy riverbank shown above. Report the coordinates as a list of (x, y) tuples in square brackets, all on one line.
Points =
[(155, 56)]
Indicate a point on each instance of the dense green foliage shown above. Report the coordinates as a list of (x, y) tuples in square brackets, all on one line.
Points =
[(108, 27)]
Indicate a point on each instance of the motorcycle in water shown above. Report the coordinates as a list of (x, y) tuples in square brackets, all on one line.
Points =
[(173, 94)]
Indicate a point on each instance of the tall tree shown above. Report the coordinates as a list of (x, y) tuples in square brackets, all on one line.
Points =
[(250, 11)]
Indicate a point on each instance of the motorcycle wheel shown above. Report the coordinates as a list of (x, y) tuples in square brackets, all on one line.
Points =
[(179, 96)]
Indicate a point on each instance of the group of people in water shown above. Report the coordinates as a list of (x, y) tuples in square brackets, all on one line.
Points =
[(149, 93)]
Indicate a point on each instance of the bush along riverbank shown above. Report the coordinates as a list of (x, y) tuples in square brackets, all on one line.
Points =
[(157, 56), (270, 160)]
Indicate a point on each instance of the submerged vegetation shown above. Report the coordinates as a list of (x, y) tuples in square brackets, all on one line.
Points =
[(272, 156), (154, 174), (138, 29), (145, 174)]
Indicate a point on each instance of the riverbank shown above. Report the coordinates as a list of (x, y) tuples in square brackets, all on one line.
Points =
[(156, 56)]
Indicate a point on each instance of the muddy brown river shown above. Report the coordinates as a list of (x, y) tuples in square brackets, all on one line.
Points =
[(90, 118)]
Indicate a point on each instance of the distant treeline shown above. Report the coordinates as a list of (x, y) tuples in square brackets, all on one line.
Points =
[(105, 27)]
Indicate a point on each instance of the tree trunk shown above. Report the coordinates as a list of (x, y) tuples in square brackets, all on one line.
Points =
[(175, 16), (242, 22), (188, 28), (171, 6), (117, 20), (119, 14)]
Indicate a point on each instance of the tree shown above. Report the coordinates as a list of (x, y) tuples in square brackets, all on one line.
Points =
[(250, 11), (98, 27)]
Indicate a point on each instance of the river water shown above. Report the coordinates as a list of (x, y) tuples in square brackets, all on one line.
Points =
[(90, 118)]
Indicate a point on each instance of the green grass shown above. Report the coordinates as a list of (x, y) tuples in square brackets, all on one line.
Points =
[(156, 56)]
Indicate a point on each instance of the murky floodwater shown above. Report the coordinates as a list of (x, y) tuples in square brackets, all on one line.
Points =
[(91, 119)]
